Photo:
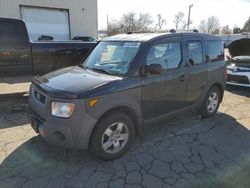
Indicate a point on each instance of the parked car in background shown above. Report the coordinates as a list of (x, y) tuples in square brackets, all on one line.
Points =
[(127, 81), (19, 56), (239, 63), (85, 38)]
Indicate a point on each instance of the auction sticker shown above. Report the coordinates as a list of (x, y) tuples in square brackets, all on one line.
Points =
[(131, 44)]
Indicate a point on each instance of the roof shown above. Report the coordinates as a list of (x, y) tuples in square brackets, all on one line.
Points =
[(143, 37), (135, 37)]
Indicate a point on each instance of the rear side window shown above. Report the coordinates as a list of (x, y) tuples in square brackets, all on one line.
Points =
[(168, 55), (8, 32), (215, 51), (195, 52)]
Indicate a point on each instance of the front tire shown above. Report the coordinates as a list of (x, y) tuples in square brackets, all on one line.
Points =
[(210, 103), (112, 136)]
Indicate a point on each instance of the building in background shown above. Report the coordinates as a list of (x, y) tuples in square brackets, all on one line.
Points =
[(60, 19)]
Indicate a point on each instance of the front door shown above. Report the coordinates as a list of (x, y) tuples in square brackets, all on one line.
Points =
[(164, 93)]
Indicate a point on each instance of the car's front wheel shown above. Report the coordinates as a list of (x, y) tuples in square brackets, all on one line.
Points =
[(211, 102), (112, 136)]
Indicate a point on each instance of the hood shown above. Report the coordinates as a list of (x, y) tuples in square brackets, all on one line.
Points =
[(240, 47), (72, 81)]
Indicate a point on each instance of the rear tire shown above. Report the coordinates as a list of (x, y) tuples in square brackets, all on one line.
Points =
[(210, 103), (112, 136)]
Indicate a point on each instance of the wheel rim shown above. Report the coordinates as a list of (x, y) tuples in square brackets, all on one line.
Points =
[(115, 137), (212, 103)]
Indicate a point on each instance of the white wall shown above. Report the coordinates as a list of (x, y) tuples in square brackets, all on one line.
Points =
[(82, 13)]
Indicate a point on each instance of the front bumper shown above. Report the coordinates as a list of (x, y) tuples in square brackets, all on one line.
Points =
[(238, 84), (238, 78), (73, 132)]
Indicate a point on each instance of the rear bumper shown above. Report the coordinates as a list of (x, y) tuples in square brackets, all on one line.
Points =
[(74, 135)]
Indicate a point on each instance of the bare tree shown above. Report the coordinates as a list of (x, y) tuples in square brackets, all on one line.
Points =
[(160, 22), (178, 19), (133, 22), (226, 30), (127, 22), (113, 28), (130, 22), (211, 25)]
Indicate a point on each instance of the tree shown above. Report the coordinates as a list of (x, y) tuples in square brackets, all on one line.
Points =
[(113, 28), (246, 27), (130, 22), (133, 22), (236, 30), (180, 21), (226, 30), (160, 22), (211, 25)]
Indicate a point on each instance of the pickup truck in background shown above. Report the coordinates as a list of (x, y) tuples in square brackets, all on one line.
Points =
[(19, 56)]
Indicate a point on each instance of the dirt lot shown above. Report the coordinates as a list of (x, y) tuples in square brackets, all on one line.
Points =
[(182, 152), (15, 85)]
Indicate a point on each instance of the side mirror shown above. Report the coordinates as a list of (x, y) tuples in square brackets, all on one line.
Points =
[(152, 69)]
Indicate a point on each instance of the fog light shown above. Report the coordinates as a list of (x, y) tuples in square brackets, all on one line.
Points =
[(59, 136)]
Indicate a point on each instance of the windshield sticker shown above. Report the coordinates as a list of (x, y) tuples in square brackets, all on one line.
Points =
[(131, 45)]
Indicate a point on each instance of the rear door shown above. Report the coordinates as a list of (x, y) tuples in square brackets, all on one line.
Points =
[(164, 93), (196, 67), (14, 49)]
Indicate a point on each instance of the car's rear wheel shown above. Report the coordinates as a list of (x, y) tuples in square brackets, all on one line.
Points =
[(112, 136), (211, 102)]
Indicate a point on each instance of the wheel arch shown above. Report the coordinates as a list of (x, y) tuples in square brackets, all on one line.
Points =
[(221, 89), (220, 86), (122, 109)]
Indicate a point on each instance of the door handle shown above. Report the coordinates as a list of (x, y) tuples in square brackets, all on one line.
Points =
[(182, 78)]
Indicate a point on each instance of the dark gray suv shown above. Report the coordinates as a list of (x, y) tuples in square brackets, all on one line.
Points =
[(127, 81)]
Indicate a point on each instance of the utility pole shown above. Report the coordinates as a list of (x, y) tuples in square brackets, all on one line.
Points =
[(189, 12), (107, 24)]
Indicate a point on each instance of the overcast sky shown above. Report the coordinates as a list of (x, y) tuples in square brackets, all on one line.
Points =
[(229, 12)]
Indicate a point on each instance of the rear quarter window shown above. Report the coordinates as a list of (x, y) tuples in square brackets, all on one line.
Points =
[(214, 51)]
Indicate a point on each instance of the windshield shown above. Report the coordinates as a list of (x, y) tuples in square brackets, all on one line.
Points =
[(112, 57)]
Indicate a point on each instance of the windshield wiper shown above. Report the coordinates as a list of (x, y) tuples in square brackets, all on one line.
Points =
[(101, 70)]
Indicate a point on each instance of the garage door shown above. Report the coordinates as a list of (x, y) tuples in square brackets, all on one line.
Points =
[(43, 21)]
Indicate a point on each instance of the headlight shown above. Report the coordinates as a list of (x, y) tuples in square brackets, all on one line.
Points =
[(63, 110)]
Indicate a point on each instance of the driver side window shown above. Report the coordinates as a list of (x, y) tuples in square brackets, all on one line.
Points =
[(168, 55)]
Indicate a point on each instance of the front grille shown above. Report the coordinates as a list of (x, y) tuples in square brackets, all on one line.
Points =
[(238, 79), (39, 97)]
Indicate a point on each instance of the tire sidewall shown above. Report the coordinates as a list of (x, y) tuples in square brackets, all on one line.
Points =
[(96, 138), (203, 110)]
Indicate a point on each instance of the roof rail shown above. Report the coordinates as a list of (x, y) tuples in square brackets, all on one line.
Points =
[(172, 31), (181, 31)]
